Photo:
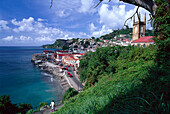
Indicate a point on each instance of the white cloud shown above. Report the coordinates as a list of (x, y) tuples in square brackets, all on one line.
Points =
[(8, 38), (3, 25), (43, 38), (24, 38), (35, 27), (112, 18), (92, 27), (87, 6), (104, 30), (24, 25), (115, 17), (39, 19), (49, 30), (82, 34), (63, 13)]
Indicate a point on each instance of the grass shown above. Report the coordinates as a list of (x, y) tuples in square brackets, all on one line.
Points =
[(141, 87)]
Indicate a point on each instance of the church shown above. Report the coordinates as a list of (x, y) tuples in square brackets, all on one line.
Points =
[(138, 37)]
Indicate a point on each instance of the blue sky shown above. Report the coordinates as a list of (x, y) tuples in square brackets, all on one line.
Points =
[(33, 22)]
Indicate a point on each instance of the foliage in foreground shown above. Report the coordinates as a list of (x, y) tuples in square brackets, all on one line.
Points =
[(69, 93), (6, 107), (161, 25), (130, 81)]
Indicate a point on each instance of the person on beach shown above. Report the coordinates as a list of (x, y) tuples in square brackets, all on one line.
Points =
[(52, 105)]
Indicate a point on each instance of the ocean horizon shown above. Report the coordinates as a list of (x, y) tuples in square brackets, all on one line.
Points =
[(22, 80)]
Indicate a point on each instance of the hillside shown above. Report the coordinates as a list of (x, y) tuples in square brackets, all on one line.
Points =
[(58, 44), (64, 44), (127, 32), (121, 80)]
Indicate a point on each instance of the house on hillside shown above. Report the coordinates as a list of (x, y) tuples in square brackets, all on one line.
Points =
[(126, 42), (48, 53)]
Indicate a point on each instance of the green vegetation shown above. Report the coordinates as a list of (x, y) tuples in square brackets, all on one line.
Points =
[(41, 105), (127, 79), (127, 31), (149, 33), (85, 44), (161, 24), (121, 80), (69, 93), (6, 107), (59, 43)]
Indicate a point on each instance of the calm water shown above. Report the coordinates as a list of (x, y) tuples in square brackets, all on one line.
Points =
[(23, 81)]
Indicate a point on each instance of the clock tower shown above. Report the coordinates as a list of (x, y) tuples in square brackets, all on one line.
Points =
[(138, 28)]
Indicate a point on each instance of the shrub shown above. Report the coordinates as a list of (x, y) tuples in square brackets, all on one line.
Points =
[(41, 105), (23, 108), (69, 93)]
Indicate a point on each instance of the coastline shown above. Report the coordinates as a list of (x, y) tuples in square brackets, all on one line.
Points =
[(54, 70), (63, 73)]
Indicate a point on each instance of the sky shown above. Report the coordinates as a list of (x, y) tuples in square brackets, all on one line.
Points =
[(34, 23)]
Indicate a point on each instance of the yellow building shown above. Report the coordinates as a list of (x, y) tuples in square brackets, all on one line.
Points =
[(138, 28), (139, 38)]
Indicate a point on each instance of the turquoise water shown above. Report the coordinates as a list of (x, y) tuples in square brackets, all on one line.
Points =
[(23, 81)]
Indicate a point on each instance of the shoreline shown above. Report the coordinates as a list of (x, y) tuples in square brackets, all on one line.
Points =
[(54, 70)]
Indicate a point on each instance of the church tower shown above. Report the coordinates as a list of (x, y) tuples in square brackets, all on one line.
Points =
[(138, 28)]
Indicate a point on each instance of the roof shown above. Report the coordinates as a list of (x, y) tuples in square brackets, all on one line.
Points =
[(127, 39), (144, 39), (47, 51), (61, 51), (62, 54), (81, 54)]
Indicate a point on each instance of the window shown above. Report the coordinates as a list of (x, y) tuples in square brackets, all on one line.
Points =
[(144, 45)]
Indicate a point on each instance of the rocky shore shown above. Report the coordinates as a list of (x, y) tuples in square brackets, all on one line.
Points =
[(56, 70)]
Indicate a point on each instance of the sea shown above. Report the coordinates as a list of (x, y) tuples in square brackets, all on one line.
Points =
[(23, 81)]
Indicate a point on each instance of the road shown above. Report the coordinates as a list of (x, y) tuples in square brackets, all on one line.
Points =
[(74, 80)]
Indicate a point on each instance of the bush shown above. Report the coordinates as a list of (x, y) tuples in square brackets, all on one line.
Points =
[(23, 108), (69, 93), (41, 105), (126, 80), (6, 107)]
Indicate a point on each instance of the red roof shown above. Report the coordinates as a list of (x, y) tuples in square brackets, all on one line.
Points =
[(47, 51), (62, 54), (144, 39), (61, 51), (126, 40), (81, 53)]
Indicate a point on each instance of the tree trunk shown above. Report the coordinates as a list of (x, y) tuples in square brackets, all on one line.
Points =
[(147, 4)]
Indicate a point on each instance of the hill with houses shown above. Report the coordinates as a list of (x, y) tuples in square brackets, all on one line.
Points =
[(117, 37)]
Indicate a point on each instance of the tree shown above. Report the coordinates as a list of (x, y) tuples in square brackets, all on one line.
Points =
[(160, 11), (92, 37), (23, 108), (161, 26), (147, 4), (71, 92), (6, 107), (65, 47), (75, 46)]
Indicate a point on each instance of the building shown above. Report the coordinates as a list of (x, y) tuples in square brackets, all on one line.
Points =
[(138, 28), (143, 41), (48, 53)]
